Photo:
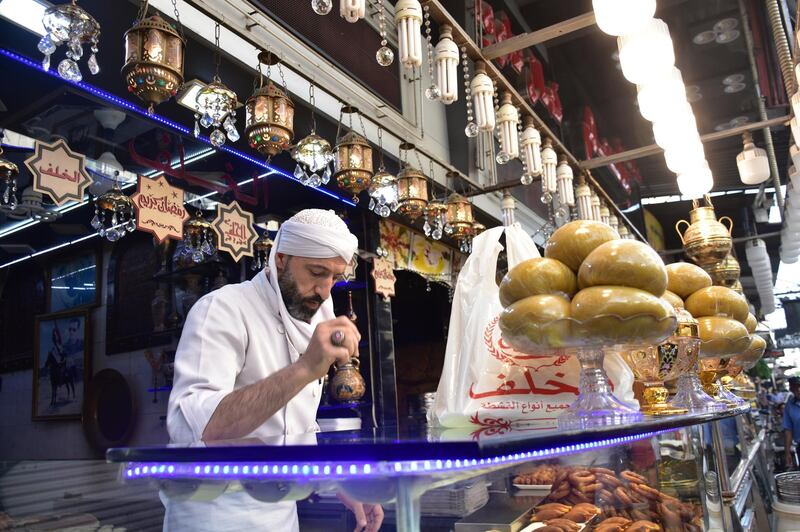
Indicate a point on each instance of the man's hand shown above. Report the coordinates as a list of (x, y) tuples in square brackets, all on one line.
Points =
[(322, 352), (369, 517)]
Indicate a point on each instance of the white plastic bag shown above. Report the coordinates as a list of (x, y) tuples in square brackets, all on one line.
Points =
[(484, 381)]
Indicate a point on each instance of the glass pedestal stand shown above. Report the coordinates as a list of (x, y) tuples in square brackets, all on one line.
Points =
[(726, 395), (595, 406), (692, 396)]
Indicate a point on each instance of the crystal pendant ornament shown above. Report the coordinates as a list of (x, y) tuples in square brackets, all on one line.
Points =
[(70, 25), (206, 120), (114, 214), (502, 157), (196, 129), (433, 93), (326, 175), (384, 56), (217, 138), (526, 179), (299, 173), (471, 130), (322, 7)]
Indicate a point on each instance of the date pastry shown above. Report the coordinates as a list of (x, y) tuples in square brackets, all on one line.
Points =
[(546, 515), (630, 476), (564, 524), (643, 526)]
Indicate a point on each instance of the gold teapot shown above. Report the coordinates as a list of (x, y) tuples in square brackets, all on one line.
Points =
[(347, 384), (724, 273), (707, 241)]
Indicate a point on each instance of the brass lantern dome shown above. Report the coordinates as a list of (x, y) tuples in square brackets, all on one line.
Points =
[(412, 192), (153, 66), (270, 120), (459, 216), (353, 163)]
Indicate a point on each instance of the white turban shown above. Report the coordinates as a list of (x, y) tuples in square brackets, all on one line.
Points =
[(316, 234)]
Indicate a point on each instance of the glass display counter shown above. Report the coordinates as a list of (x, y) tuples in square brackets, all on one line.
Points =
[(670, 474)]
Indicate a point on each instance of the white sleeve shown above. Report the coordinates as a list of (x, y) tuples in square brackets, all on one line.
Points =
[(210, 355)]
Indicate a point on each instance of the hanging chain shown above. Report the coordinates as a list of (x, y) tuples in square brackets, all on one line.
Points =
[(339, 123), (177, 19), (382, 22), (143, 10), (427, 16), (381, 165), (432, 190), (419, 160), (283, 79), (467, 88), (363, 129), (313, 107), (217, 53)]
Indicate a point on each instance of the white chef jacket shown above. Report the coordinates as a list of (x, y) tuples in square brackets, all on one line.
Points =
[(233, 337)]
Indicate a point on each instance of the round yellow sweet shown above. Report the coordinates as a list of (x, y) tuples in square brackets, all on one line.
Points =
[(673, 299), (624, 263), (536, 322), (572, 242), (718, 301), (751, 323), (621, 314), (537, 276), (684, 279), (722, 336)]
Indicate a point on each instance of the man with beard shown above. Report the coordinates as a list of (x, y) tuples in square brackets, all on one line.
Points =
[(251, 361)]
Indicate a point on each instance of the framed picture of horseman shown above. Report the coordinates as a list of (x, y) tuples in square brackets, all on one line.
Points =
[(61, 360)]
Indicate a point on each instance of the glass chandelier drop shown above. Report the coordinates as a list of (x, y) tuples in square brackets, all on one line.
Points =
[(446, 59), (408, 18), (8, 176), (215, 105), (198, 238), (313, 153), (114, 214), (384, 56), (352, 157), (531, 145), (269, 112), (70, 25), (435, 219), (322, 7), (383, 189), (154, 53), (352, 10), (482, 90), (549, 177)]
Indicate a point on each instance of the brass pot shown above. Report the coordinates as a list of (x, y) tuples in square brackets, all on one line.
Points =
[(724, 273), (706, 240), (348, 385)]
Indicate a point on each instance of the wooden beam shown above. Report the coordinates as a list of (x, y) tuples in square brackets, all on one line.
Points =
[(655, 149), (526, 40)]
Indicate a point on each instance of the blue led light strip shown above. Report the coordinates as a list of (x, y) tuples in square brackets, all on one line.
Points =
[(162, 120), (232, 470)]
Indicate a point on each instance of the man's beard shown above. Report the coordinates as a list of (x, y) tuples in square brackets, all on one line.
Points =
[(295, 303)]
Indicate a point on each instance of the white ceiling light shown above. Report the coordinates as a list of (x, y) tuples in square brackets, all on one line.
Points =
[(661, 95), (704, 37), (726, 24), (696, 182), (26, 13), (681, 159), (647, 53), (619, 17), (674, 127), (758, 259), (733, 79), (752, 162), (734, 88), (727, 37)]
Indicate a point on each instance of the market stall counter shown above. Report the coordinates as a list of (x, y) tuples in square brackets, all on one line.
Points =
[(648, 474)]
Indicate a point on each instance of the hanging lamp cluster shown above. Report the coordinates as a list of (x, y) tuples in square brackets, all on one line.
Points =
[(72, 26), (215, 105), (199, 238)]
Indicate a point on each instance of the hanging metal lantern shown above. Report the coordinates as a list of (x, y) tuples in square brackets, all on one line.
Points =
[(114, 214), (198, 238), (412, 192), (269, 123), (261, 249), (478, 228), (435, 219), (353, 163), (70, 25), (154, 53), (460, 220), (8, 175), (383, 189)]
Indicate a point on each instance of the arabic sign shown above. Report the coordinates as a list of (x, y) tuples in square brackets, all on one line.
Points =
[(409, 250), (384, 278), (234, 228), (58, 172), (159, 208)]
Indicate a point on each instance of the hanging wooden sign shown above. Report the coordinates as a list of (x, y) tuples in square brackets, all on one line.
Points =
[(384, 277), (234, 228), (159, 208), (58, 172)]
